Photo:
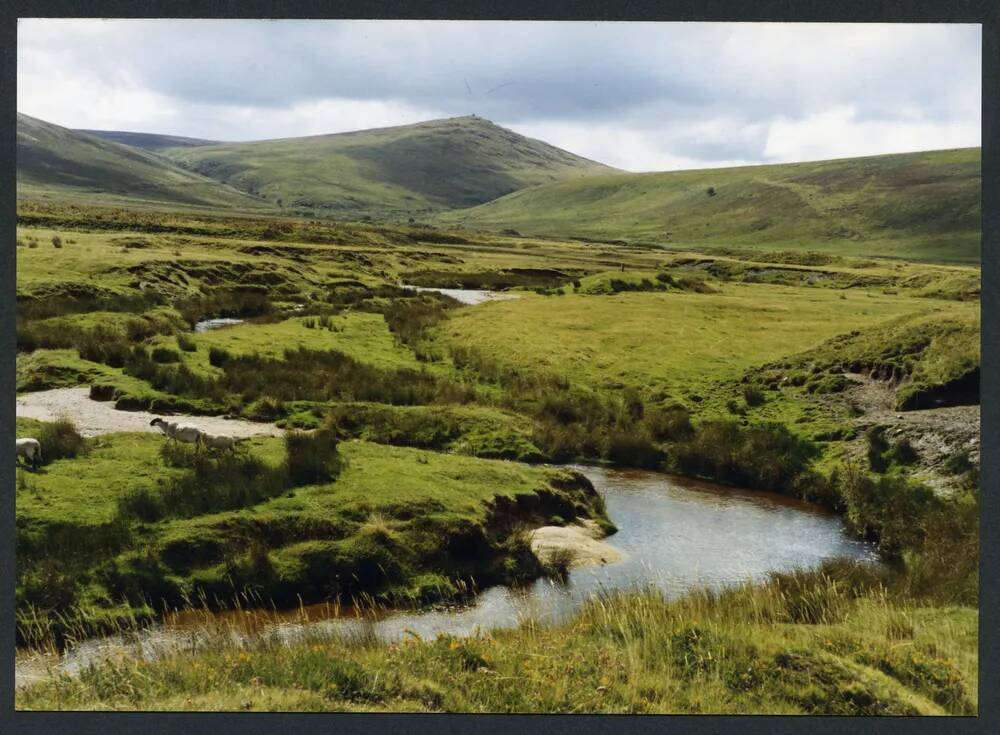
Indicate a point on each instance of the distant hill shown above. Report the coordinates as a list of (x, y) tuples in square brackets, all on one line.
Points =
[(914, 205), (410, 170), (58, 163), (148, 141)]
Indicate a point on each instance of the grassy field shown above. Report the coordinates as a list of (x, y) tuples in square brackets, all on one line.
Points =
[(917, 206), (671, 342), (739, 365)]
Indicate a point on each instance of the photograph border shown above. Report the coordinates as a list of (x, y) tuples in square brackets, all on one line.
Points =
[(970, 11)]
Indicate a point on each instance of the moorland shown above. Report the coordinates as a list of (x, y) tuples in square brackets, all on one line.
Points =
[(805, 329)]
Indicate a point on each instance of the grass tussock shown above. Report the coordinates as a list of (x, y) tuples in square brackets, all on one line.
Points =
[(834, 641)]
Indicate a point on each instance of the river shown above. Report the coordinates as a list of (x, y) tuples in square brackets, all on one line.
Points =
[(467, 296), (676, 535)]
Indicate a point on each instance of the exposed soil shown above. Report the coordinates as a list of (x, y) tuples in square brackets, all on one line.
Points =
[(93, 418), (936, 433)]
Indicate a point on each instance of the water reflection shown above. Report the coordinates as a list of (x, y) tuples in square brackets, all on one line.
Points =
[(676, 534)]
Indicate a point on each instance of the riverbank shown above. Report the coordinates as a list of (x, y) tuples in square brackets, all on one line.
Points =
[(833, 641), (282, 521), (674, 535)]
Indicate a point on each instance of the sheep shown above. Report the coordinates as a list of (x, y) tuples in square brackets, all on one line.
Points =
[(215, 441), (187, 433), (30, 449)]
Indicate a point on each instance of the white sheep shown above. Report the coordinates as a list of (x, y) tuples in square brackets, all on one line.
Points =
[(187, 433), (215, 441), (30, 449)]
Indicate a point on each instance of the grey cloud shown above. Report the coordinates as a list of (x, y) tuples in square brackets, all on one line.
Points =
[(657, 78)]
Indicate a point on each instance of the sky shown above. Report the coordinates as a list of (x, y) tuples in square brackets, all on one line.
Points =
[(638, 96)]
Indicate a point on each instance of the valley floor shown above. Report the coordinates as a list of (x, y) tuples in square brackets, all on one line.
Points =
[(398, 443)]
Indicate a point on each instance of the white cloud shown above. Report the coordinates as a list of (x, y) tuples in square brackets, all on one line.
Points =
[(636, 95), (837, 133)]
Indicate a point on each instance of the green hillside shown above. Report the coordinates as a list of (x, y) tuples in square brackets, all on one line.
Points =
[(55, 163), (411, 170), (915, 205), (148, 141)]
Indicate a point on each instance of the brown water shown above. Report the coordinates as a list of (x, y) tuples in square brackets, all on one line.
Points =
[(676, 535)]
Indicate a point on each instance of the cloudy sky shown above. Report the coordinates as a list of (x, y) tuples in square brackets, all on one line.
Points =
[(640, 96)]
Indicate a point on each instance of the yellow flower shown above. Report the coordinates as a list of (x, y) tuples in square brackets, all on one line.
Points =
[(453, 645)]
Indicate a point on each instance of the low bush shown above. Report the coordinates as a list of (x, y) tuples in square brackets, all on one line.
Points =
[(632, 449), (141, 503), (165, 355), (887, 509), (672, 423), (185, 343), (217, 357), (902, 452), (765, 457), (60, 439), (311, 458), (753, 395), (878, 446)]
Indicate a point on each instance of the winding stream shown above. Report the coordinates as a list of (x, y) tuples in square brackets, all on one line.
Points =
[(467, 296), (217, 323), (676, 535)]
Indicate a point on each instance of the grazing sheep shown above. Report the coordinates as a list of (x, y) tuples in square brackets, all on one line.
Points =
[(179, 432), (30, 449), (215, 441)]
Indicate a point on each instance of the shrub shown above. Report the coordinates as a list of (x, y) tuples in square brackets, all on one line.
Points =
[(633, 404), (311, 458), (60, 439), (669, 424), (826, 383), (186, 343), (753, 395), (945, 566), (165, 355), (317, 375), (212, 484), (218, 357), (141, 503), (56, 241), (766, 457), (633, 450), (888, 509), (266, 408), (139, 329), (878, 445), (902, 452)]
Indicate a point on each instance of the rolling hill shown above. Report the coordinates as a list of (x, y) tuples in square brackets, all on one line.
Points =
[(916, 205), (148, 141), (411, 170), (57, 163)]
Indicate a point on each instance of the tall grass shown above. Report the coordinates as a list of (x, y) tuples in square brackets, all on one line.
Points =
[(800, 643), (60, 439)]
